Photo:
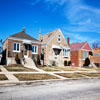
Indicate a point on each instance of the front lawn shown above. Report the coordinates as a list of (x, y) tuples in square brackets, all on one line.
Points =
[(70, 75), (3, 77), (64, 69), (49, 69), (26, 77), (91, 74), (19, 69)]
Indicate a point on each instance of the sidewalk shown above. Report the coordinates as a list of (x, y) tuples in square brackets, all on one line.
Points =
[(10, 76), (12, 79)]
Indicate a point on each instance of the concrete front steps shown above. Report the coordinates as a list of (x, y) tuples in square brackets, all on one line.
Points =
[(29, 63)]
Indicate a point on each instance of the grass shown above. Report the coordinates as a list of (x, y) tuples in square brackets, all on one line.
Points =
[(65, 69), (98, 69), (49, 69), (70, 75), (26, 77), (3, 77), (91, 74), (19, 69)]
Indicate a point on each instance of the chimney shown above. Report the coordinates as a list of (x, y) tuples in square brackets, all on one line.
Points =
[(39, 36), (68, 41), (24, 29)]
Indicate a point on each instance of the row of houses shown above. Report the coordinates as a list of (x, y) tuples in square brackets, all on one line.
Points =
[(52, 45)]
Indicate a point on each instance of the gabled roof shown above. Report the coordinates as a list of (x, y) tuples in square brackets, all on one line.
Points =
[(47, 37), (81, 46), (77, 46), (23, 35)]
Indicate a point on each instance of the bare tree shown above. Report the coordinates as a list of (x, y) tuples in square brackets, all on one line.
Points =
[(0, 45), (96, 44)]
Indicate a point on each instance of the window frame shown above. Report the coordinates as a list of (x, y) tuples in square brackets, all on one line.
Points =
[(85, 55), (34, 49), (59, 38), (65, 52), (16, 47)]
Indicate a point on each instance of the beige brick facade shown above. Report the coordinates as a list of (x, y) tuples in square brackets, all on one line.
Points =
[(49, 55)]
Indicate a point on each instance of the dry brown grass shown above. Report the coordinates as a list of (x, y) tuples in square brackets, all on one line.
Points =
[(91, 74), (70, 75), (26, 77), (65, 69), (49, 69), (19, 69), (3, 77)]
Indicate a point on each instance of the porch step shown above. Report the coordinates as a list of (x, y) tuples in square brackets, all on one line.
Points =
[(29, 62), (93, 65)]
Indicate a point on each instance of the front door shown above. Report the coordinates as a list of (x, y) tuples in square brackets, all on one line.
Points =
[(26, 50), (56, 53)]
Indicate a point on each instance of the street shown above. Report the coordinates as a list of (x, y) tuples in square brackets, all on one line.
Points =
[(84, 89)]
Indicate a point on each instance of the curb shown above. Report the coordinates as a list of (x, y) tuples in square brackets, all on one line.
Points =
[(5, 83)]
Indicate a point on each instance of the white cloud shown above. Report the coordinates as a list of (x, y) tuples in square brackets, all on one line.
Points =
[(78, 37)]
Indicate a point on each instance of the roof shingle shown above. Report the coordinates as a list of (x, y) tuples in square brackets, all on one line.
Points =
[(23, 35), (77, 46), (48, 37)]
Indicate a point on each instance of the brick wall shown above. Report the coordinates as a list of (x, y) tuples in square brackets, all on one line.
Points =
[(75, 58), (8, 45)]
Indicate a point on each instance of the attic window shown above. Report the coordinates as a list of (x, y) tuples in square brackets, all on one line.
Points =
[(49, 34), (59, 38)]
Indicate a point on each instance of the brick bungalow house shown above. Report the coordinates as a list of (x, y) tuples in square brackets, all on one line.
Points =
[(55, 48), (96, 56), (22, 44), (79, 52)]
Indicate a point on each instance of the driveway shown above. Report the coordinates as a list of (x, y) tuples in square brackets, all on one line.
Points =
[(61, 90)]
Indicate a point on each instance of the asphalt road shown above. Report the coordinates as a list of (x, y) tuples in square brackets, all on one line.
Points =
[(59, 90)]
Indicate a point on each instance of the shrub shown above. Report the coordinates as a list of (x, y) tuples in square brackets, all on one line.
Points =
[(34, 58), (87, 62), (69, 63), (17, 59), (38, 60), (65, 63), (42, 56)]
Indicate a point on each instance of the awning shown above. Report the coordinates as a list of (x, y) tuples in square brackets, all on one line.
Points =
[(56, 47), (26, 42)]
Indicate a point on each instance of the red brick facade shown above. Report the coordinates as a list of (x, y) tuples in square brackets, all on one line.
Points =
[(77, 50), (8, 46)]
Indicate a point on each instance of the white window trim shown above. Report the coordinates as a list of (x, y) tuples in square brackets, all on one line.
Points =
[(82, 56), (59, 37), (37, 49), (16, 47), (67, 51)]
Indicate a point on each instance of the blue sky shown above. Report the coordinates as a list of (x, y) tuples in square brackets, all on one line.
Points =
[(78, 19)]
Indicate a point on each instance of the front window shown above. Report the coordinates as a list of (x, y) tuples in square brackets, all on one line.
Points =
[(16, 47), (85, 55), (59, 38), (66, 53), (34, 49)]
